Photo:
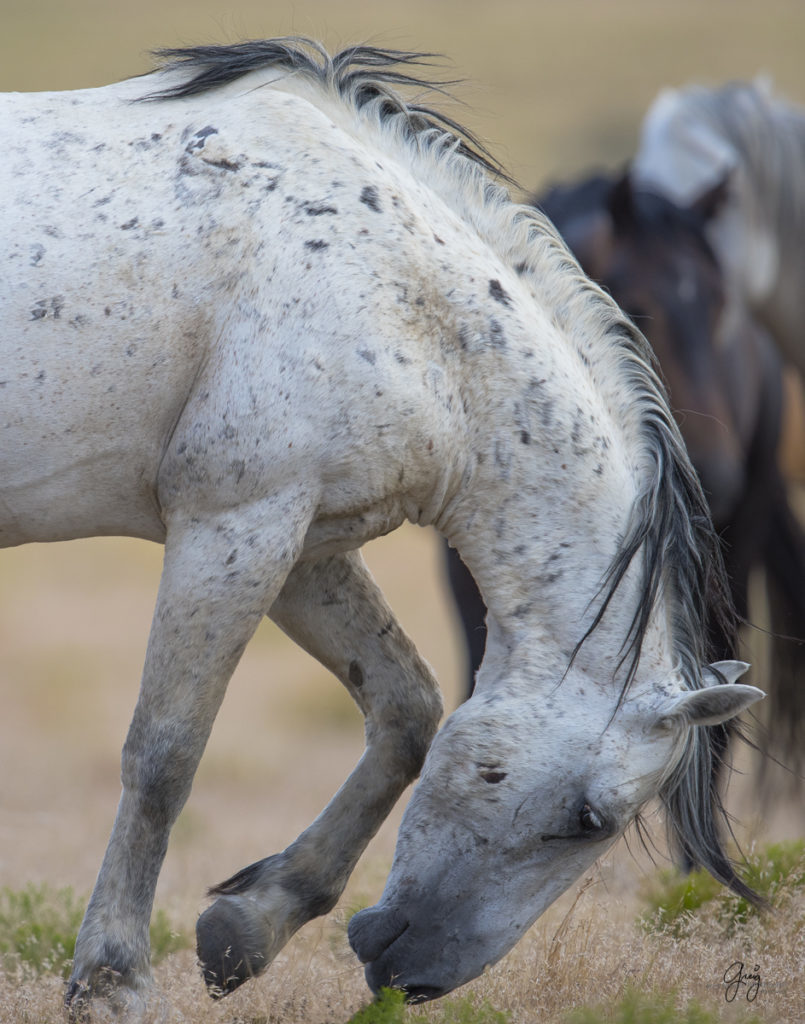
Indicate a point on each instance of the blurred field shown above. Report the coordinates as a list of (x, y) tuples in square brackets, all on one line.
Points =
[(553, 88)]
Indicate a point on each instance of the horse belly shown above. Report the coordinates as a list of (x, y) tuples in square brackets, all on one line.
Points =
[(89, 395), (101, 329), (80, 444)]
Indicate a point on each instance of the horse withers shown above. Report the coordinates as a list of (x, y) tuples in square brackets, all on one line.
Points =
[(260, 309)]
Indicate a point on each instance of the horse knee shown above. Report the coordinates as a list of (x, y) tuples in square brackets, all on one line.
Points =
[(409, 738), (158, 771)]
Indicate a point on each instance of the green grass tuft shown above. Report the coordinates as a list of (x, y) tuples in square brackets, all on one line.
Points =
[(647, 1008), (387, 1008), (165, 939), (674, 899), (390, 1008), (39, 925)]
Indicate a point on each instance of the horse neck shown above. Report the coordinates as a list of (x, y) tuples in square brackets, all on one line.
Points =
[(539, 520)]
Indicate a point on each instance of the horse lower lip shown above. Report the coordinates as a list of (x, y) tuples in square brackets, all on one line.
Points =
[(422, 993)]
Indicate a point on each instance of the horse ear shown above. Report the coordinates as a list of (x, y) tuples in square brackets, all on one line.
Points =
[(708, 205), (721, 699), (724, 672), (712, 706)]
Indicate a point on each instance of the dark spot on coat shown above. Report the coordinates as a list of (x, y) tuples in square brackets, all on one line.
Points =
[(525, 437), (130, 224), (371, 198), (200, 138), (232, 557), (318, 209), (44, 308), (223, 164), (146, 144), (368, 355), (37, 252), (317, 243), (356, 674), (498, 293), (496, 336)]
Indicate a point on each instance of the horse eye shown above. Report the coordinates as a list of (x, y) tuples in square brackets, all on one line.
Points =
[(493, 775), (590, 820)]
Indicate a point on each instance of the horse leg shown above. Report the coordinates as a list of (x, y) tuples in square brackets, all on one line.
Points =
[(334, 610), (209, 604)]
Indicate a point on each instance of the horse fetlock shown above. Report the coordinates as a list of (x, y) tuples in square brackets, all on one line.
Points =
[(122, 992), (107, 957)]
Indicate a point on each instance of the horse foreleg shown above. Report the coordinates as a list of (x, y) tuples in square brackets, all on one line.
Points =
[(220, 576), (334, 610)]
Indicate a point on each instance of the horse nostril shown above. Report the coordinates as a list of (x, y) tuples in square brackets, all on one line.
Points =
[(372, 931)]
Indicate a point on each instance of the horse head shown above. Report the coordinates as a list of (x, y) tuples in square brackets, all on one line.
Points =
[(519, 795)]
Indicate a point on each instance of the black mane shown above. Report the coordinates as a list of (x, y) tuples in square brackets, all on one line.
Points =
[(359, 74)]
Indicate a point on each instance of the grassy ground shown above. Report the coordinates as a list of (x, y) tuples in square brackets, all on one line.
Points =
[(554, 88)]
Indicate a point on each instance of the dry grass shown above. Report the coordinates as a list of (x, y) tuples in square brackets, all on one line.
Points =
[(556, 87), (585, 951)]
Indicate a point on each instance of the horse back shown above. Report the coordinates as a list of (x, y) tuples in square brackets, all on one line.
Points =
[(222, 280)]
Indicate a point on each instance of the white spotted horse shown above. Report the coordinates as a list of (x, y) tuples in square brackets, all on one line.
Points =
[(260, 309)]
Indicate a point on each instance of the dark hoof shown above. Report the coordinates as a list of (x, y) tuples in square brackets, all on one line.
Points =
[(230, 947), (76, 1002)]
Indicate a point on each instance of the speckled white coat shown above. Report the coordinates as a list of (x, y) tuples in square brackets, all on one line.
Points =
[(260, 329)]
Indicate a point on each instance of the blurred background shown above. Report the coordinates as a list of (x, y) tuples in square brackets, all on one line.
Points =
[(554, 89)]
